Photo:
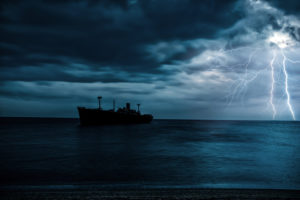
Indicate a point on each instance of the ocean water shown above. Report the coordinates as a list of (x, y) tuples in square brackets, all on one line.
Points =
[(165, 153)]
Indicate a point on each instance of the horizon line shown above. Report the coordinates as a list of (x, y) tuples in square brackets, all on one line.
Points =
[(254, 120)]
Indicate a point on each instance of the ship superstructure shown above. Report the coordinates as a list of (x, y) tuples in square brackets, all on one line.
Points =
[(125, 115)]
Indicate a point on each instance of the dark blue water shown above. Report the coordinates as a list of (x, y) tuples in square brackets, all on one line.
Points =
[(165, 153)]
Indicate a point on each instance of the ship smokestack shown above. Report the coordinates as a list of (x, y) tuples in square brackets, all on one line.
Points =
[(99, 100), (128, 106), (138, 107)]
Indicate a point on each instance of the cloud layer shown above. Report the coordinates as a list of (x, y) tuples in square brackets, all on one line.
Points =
[(179, 58)]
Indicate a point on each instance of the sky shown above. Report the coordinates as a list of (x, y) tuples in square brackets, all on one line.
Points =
[(180, 59)]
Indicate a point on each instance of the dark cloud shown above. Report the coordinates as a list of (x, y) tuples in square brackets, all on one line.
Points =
[(101, 33), (54, 73), (288, 6)]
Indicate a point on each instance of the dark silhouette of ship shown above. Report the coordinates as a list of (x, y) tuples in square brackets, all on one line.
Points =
[(98, 116)]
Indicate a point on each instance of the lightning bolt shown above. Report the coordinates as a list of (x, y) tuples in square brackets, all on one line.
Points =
[(240, 86), (288, 99), (277, 41), (272, 84)]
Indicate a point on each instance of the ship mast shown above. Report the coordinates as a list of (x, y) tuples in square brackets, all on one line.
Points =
[(114, 105), (99, 100)]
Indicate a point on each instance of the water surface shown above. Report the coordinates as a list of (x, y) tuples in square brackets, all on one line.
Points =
[(164, 153)]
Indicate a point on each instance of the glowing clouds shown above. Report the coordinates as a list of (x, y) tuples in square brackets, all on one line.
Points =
[(282, 40)]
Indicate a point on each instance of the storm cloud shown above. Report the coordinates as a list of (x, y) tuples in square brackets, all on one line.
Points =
[(179, 58)]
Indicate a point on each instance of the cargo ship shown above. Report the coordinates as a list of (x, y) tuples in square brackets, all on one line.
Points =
[(125, 115)]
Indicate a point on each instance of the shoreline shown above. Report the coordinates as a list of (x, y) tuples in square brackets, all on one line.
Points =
[(171, 193)]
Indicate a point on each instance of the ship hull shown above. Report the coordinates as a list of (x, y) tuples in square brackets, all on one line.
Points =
[(99, 117)]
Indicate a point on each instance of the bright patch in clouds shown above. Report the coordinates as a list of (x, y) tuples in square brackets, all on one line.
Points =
[(282, 40)]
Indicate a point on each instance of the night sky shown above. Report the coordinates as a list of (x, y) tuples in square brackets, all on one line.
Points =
[(181, 59)]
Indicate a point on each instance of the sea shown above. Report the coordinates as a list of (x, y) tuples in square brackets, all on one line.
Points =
[(59, 153)]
